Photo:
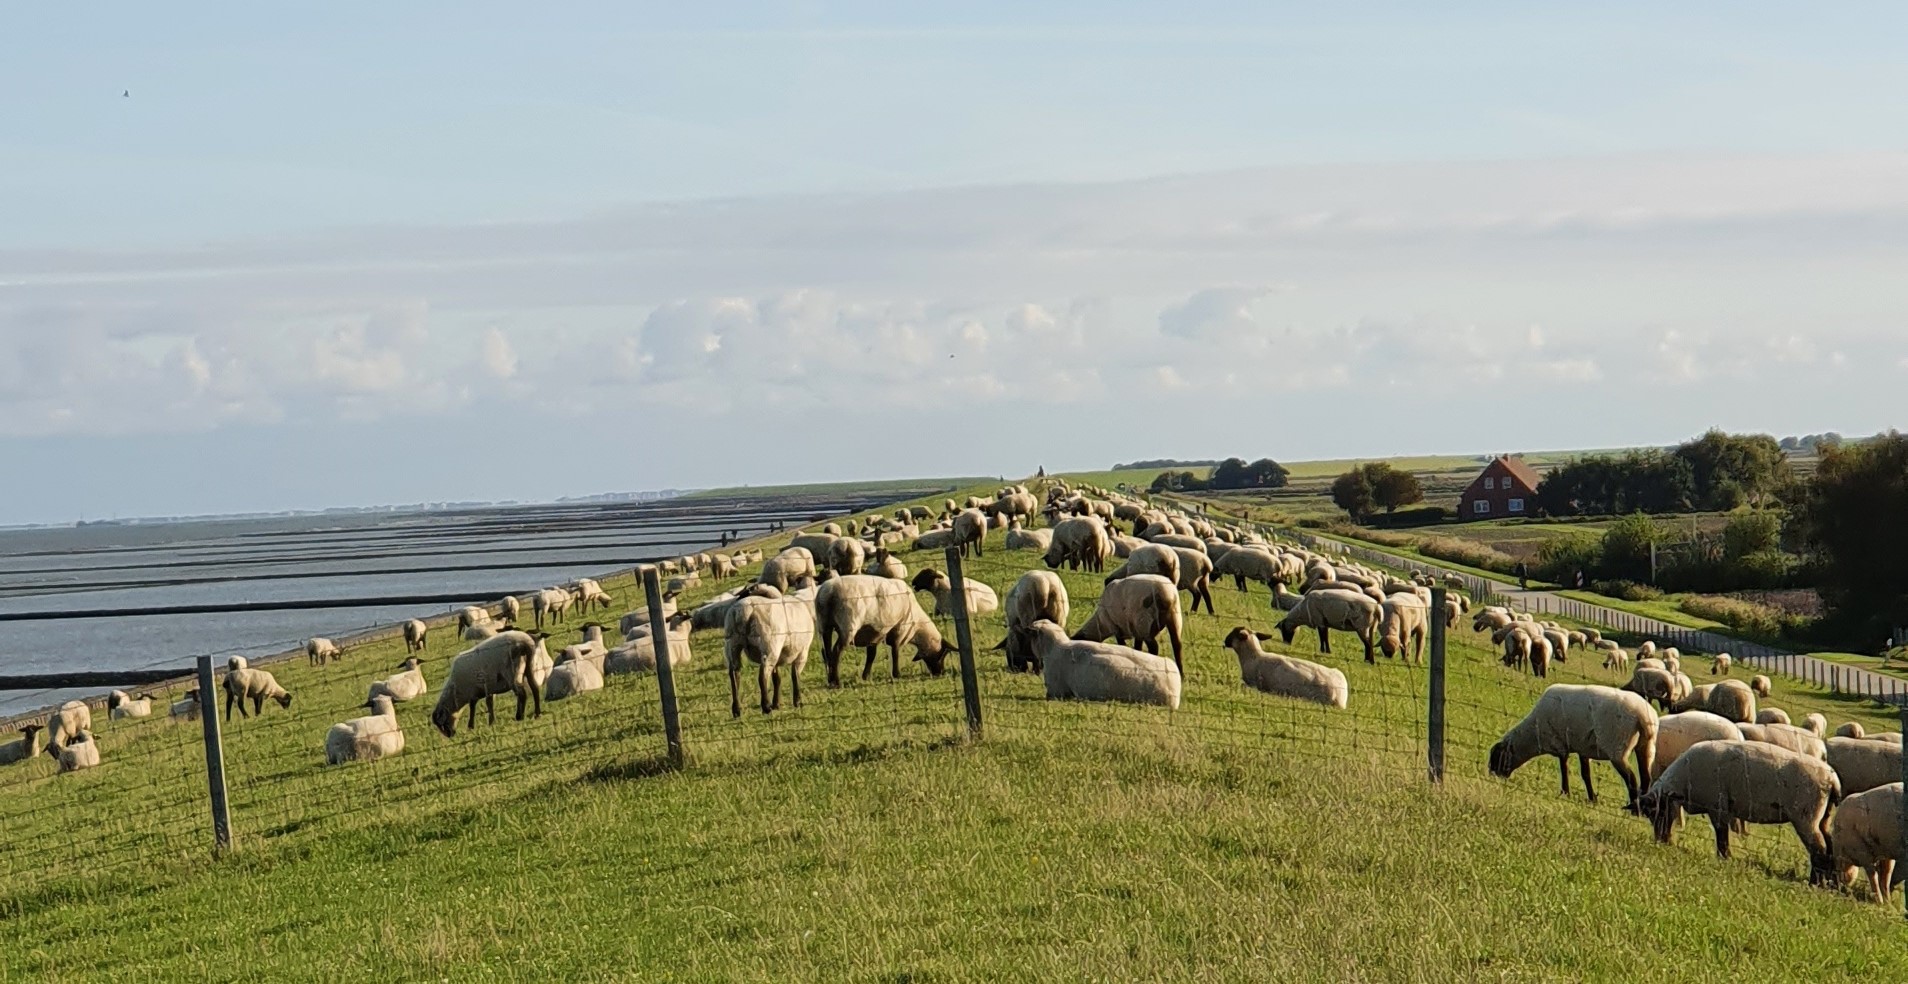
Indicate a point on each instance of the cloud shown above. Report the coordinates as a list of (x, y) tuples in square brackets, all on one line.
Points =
[(499, 359)]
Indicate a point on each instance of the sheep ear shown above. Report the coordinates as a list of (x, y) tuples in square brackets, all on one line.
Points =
[(1263, 636)]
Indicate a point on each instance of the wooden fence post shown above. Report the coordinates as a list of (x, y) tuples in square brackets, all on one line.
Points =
[(964, 637), (1904, 779), (214, 758), (665, 674), (1434, 717)]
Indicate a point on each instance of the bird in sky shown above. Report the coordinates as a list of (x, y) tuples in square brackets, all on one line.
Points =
[(126, 94)]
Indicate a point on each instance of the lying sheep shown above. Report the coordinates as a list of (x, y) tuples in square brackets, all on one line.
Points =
[(1019, 539), (366, 739), (405, 685), (1037, 595), (861, 610), (67, 720), (500, 664), (772, 633), (1333, 608), (638, 654), (1678, 733), (1137, 608), (1772, 715), (888, 565), (1865, 833), (1076, 669), (575, 676), (1850, 729), (29, 745), (1286, 676), (80, 752), (1751, 782), (253, 685), (186, 707), (1786, 736), (1587, 721), (120, 706), (319, 649), (1863, 763), (980, 598)]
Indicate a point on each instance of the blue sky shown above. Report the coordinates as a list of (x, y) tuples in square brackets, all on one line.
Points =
[(370, 225)]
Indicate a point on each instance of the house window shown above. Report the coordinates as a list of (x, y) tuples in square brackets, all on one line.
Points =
[(1517, 505), (1481, 507), (1489, 482)]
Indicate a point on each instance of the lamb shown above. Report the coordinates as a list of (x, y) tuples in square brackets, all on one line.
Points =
[(405, 685), (782, 570), (1864, 763), (980, 598), (254, 685), (589, 593), (1076, 669), (319, 649), (1137, 608), (1865, 833), (1678, 733), (415, 632), (81, 752), (1286, 676), (26, 748), (1786, 736), (1815, 724), (1079, 543), (502, 663), (1751, 782), (888, 565), (1590, 722), (1404, 620), (1019, 539), (186, 707), (1772, 715), (970, 530), (366, 739), (1334, 608), (847, 556), (1760, 684), (861, 610), (773, 633), (120, 706), (1720, 665), (551, 602), (511, 607), (1037, 595)]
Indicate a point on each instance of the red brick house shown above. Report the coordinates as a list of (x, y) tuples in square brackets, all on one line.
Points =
[(1507, 487)]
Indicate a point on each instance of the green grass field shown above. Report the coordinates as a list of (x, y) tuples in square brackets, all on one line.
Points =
[(862, 837), (900, 486)]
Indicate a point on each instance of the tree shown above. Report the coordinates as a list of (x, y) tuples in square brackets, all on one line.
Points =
[(1727, 470), (1353, 493), (1855, 520), (1392, 487), (1176, 481), (1626, 546), (1229, 474), (1268, 474)]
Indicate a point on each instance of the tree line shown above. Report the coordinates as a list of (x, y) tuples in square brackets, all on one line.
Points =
[(1232, 473)]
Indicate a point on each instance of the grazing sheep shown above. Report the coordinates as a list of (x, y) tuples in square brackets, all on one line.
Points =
[(319, 649), (1076, 669), (589, 594), (970, 530), (1037, 595), (1815, 724), (1772, 715), (511, 606), (26, 748), (1195, 577), (471, 615), (847, 556), (773, 633), (405, 685), (1652, 683), (980, 598), (254, 685), (1283, 600), (1590, 722), (1786, 736), (723, 566), (1863, 763), (553, 603), (366, 739), (502, 663), (1137, 608), (1720, 665), (415, 632), (1616, 659), (860, 610), (888, 565), (1403, 622), (1750, 782), (1286, 676), (1731, 699), (1334, 608), (1079, 543), (784, 569), (1244, 564), (1760, 684), (120, 706), (1865, 833), (1851, 729), (187, 707), (80, 752), (1153, 558), (1678, 733), (482, 631)]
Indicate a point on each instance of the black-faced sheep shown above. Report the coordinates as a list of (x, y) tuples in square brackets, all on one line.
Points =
[(1076, 669), (1587, 721), (1332, 608), (1286, 676), (866, 611), (1751, 782), (1137, 608), (500, 664)]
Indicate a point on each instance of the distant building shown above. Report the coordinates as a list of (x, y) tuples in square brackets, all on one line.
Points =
[(1506, 487)]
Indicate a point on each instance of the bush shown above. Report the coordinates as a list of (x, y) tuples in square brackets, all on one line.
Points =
[(1626, 547), (1765, 569), (1406, 518), (1751, 533), (1627, 590), (1561, 557), (1314, 523), (1383, 539), (1738, 614), (1468, 553)]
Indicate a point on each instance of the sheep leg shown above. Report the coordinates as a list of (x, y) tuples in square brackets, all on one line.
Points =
[(1632, 781), (471, 721), (867, 669), (894, 659), (490, 710), (762, 687), (1324, 640), (1563, 772), (776, 677), (795, 685), (1370, 657), (1885, 879), (258, 704), (228, 707), (1584, 767), (735, 691), (1720, 821)]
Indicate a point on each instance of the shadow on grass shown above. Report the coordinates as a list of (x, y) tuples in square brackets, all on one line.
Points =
[(646, 767)]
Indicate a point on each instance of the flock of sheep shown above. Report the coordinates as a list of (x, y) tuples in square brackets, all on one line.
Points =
[(1712, 752)]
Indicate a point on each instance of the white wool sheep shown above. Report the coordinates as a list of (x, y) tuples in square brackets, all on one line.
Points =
[(29, 745), (888, 565), (511, 606), (1760, 684), (236, 663), (1283, 600), (1863, 763), (1286, 676), (773, 633), (638, 654), (552, 603), (1653, 683), (1731, 699), (590, 594), (847, 556), (1195, 577), (1772, 715), (1720, 665), (415, 632), (723, 566), (1750, 782), (500, 664), (1590, 722), (405, 685), (1137, 608), (1850, 729), (575, 676), (1404, 620), (1815, 724), (866, 611), (1787, 736), (366, 739), (638, 620), (970, 530), (254, 685), (319, 649), (1153, 558), (816, 544), (1079, 543), (1865, 833), (471, 615), (186, 707), (1244, 564), (1037, 595), (120, 706), (1019, 539), (1616, 659), (981, 598), (1335, 608), (1075, 669), (79, 752), (482, 631), (784, 569), (1678, 733)]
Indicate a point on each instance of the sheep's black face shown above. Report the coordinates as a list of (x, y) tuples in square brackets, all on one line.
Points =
[(936, 661), (1287, 631), (446, 722), (1234, 637), (1501, 761), (284, 700)]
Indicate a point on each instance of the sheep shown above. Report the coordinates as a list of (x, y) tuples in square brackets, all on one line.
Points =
[(1333, 608), (478, 633), (1036, 595), (816, 544), (1177, 540), (1286, 676), (366, 739), (638, 620), (1402, 624), (496, 665), (26, 748), (847, 556), (235, 663), (638, 654), (1244, 564), (861, 610), (81, 752), (575, 676), (319, 649), (1077, 669), (511, 606), (970, 530), (1678, 733), (1772, 715), (415, 632), (783, 569), (551, 602), (1719, 666), (1616, 659), (1195, 577), (186, 707), (471, 615), (590, 594), (1137, 608), (1019, 539), (405, 685), (591, 649), (1154, 558), (1865, 833), (1653, 683), (773, 633), (1786, 736), (1815, 724), (1864, 763), (1851, 729), (1751, 782), (981, 599), (1732, 699), (120, 706), (888, 565), (67, 720), (831, 528), (1079, 543), (1589, 721), (254, 685), (723, 566)]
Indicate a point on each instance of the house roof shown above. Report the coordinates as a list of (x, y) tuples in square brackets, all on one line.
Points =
[(1519, 470)]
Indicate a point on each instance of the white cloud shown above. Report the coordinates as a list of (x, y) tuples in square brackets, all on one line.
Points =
[(499, 357)]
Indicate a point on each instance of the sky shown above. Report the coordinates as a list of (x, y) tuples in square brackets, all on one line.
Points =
[(259, 257)]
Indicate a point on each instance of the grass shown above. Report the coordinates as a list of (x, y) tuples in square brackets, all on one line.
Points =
[(903, 486), (1896, 667), (1664, 609), (861, 837)]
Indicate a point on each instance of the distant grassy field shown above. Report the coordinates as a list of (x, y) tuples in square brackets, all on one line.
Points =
[(863, 838), (904, 486)]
